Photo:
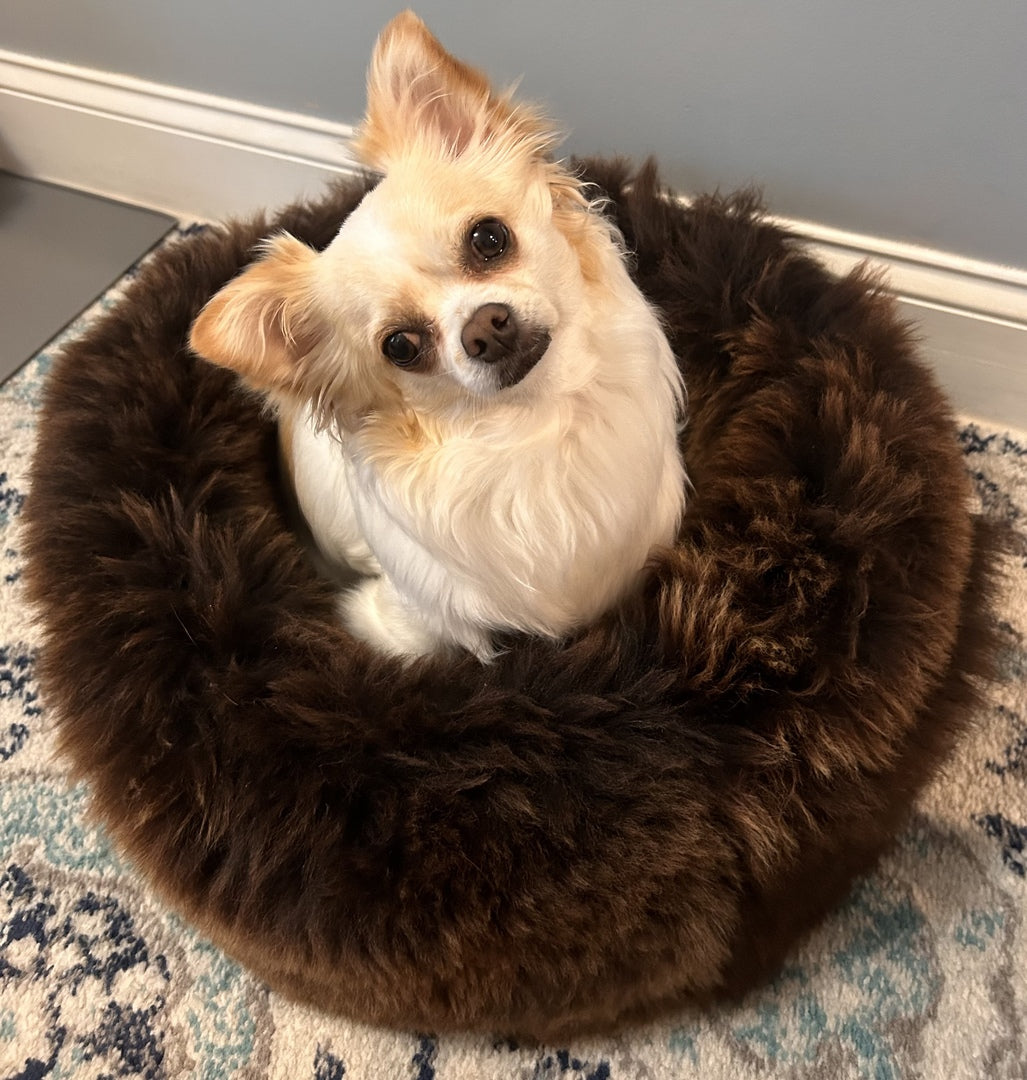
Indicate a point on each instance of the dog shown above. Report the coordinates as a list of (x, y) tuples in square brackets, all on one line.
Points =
[(477, 408)]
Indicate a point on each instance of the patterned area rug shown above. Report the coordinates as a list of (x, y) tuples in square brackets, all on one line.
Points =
[(922, 973)]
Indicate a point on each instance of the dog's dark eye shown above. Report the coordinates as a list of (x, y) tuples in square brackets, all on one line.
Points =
[(402, 347), (489, 238)]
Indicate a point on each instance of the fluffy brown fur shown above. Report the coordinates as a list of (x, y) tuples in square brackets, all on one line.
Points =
[(570, 838)]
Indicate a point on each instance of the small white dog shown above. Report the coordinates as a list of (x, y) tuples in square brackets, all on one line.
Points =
[(478, 408)]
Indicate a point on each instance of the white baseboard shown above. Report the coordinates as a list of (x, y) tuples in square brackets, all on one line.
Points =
[(191, 155), (199, 156)]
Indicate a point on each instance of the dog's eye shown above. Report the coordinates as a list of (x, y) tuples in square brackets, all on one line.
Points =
[(489, 238), (402, 347)]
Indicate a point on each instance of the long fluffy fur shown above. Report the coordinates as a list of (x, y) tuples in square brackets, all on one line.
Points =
[(572, 837), (532, 508)]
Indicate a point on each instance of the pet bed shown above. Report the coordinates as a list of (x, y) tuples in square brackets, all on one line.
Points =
[(575, 836)]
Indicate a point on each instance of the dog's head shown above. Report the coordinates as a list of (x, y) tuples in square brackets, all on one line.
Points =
[(460, 277)]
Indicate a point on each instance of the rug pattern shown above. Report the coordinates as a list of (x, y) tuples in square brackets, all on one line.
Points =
[(922, 973)]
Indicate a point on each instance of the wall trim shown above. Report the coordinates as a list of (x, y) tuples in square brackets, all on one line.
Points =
[(188, 154), (926, 275), (201, 156)]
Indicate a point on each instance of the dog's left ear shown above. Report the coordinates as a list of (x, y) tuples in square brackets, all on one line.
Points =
[(259, 323), (418, 94)]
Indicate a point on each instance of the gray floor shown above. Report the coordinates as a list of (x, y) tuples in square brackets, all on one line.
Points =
[(59, 250)]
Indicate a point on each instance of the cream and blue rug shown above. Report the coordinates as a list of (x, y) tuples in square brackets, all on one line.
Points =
[(922, 974)]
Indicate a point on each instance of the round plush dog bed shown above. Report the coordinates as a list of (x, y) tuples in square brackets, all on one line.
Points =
[(571, 837)]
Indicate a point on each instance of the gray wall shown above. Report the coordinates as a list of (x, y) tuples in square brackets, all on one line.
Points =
[(901, 118)]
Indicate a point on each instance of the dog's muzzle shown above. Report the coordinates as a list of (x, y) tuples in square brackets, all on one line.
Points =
[(493, 335)]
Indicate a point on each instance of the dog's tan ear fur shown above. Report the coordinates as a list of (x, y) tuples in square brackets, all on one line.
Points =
[(418, 94), (258, 324)]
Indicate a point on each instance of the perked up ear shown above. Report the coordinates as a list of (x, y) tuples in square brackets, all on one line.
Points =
[(260, 324), (417, 94)]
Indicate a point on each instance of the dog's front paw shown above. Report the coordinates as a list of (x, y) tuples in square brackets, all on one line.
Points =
[(376, 613)]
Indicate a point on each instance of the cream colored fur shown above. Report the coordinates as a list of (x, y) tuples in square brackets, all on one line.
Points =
[(471, 508)]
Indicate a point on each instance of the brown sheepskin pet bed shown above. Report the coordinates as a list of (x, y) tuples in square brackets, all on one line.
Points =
[(571, 838)]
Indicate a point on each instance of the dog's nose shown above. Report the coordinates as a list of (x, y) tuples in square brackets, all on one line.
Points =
[(490, 333)]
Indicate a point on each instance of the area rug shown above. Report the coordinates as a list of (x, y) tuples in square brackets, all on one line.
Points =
[(921, 973)]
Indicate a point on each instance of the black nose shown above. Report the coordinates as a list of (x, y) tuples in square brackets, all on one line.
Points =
[(490, 333)]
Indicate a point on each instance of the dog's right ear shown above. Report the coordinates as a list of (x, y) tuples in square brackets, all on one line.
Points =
[(261, 323)]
